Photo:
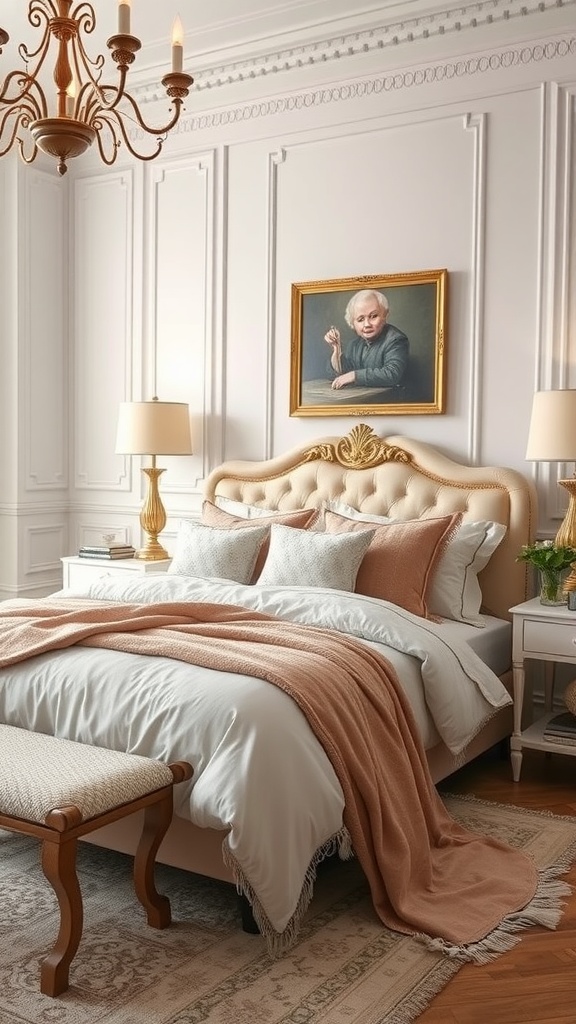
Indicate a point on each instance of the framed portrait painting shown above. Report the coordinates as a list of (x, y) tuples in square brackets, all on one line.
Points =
[(369, 345)]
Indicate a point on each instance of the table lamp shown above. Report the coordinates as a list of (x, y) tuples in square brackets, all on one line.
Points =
[(153, 428), (552, 438)]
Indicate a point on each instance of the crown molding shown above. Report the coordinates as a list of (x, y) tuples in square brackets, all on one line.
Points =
[(478, 64), (430, 34)]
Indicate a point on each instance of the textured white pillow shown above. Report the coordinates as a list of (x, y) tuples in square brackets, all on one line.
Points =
[(303, 558), (454, 592), (213, 552)]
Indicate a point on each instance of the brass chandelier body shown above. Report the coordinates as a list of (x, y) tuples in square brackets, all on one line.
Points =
[(86, 110)]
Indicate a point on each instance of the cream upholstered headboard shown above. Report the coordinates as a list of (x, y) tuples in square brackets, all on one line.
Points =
[(398, 477)]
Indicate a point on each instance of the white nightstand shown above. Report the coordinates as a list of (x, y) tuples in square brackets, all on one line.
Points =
[(77, 572), (545, 633)]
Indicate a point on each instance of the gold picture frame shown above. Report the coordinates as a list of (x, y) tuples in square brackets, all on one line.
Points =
[(413, 342)]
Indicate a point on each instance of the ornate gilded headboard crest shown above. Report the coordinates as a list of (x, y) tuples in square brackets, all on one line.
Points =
[(360, 449)]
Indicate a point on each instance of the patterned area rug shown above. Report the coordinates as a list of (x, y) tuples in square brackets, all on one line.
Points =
[(346, 969)]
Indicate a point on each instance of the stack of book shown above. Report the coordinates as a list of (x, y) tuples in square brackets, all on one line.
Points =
[(116, 549), (561, 729)]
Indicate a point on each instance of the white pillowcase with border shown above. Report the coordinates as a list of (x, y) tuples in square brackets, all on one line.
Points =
[(243, 511), (454, 591), (215, 553), (304, 558)]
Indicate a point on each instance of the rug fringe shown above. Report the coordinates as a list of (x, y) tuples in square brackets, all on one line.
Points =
[(278, 943), (545, 909)]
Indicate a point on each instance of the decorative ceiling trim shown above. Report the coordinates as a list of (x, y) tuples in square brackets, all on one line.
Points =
[(464, 18), (426, 75)]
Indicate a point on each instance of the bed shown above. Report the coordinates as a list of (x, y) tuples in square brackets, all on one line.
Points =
[(363, 486)]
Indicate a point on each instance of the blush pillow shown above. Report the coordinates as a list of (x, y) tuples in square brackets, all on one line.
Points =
[(401, 559), (301, 519), (455, 591)]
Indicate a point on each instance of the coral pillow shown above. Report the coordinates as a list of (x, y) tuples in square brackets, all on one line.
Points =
[(300, 518), (401, 560)]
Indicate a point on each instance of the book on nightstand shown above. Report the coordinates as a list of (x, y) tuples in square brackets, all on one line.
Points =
[(107, 551), (561, 728)]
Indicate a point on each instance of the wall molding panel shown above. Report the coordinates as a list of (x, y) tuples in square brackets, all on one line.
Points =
[(275, 160), (42, 351), (179, 353), (102, 231), (43, 545), (477, 125)]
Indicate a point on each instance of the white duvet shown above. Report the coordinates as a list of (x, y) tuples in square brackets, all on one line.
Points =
[(259, 771)]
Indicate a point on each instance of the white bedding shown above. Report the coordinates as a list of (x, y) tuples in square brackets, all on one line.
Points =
[(253, 753)]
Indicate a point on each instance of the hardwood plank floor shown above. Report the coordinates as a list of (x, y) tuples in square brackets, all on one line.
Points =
[(534, 983)]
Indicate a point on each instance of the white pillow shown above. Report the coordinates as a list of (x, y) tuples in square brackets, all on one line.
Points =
[(239, 508), (303, 558), (213, 552), (454, 591)]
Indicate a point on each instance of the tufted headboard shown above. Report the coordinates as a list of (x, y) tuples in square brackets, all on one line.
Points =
[(397, 477)]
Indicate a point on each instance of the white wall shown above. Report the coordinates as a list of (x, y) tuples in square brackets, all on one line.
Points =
[(303, 157)]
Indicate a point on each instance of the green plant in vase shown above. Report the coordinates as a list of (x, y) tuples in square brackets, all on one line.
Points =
[(552, 562)]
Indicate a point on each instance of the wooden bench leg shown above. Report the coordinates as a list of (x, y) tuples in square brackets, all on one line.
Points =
[(59, 866), (157, 818)]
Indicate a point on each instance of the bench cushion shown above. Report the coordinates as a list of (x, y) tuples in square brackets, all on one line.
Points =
[(39, 773)]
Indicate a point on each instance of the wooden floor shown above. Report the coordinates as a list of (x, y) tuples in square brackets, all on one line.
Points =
[(536, 981)]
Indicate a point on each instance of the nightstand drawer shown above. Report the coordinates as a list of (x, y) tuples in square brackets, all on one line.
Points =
[(549, 638), (81, 572)]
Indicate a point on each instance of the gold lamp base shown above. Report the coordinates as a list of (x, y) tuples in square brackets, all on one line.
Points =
[(152, 519), (566, 536)]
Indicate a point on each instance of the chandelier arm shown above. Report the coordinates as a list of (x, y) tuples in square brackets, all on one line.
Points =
[(119, 124), (22, 119), (98, 102), (27, 159), (81, 59), (83, 13), (27, 88), (39, 11), (150, 129), (98, 125)]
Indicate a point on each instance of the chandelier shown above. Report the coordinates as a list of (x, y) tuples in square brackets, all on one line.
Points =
[(85, 109)]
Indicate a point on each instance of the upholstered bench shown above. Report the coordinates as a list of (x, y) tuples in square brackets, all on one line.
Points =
[(58, 790)]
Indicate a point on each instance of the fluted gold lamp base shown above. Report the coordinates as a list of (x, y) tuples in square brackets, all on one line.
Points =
[(152, 519), (566, 536)]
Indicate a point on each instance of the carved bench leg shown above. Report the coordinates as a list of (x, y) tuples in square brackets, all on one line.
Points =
[(157, 818), (59, 867)]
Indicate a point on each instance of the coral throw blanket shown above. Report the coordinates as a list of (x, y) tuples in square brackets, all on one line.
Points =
[(463, 893)]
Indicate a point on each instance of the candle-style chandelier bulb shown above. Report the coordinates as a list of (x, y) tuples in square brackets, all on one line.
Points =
[(86, 110)]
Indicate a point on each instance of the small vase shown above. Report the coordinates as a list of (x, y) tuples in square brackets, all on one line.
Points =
[(552, 586)]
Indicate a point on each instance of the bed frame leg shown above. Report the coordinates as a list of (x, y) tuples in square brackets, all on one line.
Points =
[(246, 916)]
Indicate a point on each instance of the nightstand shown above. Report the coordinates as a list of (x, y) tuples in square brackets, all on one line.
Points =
[(79, 572), (544, 633)]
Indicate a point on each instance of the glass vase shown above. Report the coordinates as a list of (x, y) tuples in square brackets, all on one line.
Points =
[(552, 586)]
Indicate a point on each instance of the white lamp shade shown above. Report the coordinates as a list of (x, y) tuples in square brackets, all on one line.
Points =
[(552, 434), (153, 428)]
